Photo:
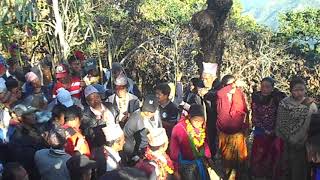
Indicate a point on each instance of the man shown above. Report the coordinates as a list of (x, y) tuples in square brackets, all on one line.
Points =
[(114, 144), (96, 114), (169, 112), (51, 163), (64, 80), (112, 74), (125, 102), (75, 66), (92, 75), (26, 139), (80, 167), (14, 70), (75, 140), (139, 124), (64, 97), (208, 98)]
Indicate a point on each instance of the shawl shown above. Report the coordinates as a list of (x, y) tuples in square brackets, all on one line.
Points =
[(293, 121)]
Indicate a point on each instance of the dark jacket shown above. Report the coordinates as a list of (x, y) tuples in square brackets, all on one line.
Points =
[(89, 124)]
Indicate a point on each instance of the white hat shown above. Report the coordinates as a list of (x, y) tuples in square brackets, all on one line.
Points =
[(64, 97), (157, 137), (89, 90), (3, 87), (112, 132), (210, 68), (121, 80)]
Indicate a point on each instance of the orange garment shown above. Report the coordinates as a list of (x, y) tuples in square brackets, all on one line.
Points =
[(76, 142), (233, 147)]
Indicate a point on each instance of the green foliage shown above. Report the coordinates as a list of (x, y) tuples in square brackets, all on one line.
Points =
[(167, 14), (301, 30)]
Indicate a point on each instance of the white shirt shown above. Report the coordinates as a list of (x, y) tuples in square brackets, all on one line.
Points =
[(113, 159)]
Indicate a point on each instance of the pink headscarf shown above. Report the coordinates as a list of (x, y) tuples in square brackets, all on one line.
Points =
[(31, 76)]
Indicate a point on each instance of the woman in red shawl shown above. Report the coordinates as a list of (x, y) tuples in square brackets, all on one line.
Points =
[(231, 125)]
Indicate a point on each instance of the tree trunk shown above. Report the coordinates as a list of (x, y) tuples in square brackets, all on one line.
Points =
[(64, 47), (210, 26)]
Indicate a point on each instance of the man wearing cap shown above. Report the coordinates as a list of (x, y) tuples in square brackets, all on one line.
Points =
[(156, 155), (115, 71), (64, 97), (33, 86), (80, 167), (208, 100), (51, 163), (140, 123), (125, 102), (114, 143), (26, 139), (64, 80), (91, 71), (97, 113)]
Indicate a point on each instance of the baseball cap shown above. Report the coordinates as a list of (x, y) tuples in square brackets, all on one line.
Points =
[(64, 97), (149, 104), (61, 71), (90, 64), (196, 110), (79, 163)]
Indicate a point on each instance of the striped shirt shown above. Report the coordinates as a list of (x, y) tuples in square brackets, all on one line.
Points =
[(74, 88)]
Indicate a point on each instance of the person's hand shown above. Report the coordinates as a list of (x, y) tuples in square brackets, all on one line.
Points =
[(125, 117), (203, 92)]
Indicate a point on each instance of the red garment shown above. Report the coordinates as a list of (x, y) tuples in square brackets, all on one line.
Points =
[(74, 87), (231, 115), (179, 144), (74, 137)]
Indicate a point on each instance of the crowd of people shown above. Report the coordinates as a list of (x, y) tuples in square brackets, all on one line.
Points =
[(74, 124)]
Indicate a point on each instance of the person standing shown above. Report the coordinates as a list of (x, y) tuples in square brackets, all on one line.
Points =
[(189, 149), (169, 112), (114, 144), (266, 152), (231, 125), (293, 120), (125, 102)]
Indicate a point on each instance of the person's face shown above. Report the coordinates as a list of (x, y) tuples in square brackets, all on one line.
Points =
[(208, 80), (17, 92), (298, 91), (266, 88), (36, 83), (162, 99), (13, 68), (93, 72), (149, 114), (94, 100), (65, 80), (60, 119), (76, 66), (2, 95), (121, 91), (197, 121), (29, 119)]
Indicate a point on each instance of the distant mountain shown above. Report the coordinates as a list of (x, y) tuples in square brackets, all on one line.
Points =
[(266, 11)]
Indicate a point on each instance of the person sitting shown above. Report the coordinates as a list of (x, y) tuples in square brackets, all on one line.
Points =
[(75, 139), (14, 171), (114, 143), (51, 163), (80, 167), (125, 102), (169, 112)]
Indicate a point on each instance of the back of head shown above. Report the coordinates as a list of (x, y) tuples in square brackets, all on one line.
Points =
[(125, 174), (58, 110), (14, 171), (56, 138), (11, 83), (227, 79), (72, 113)]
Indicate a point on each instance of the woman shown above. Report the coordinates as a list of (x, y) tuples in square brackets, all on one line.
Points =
[(265, 151), (231, 125), (189, 148), (292, 126)]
